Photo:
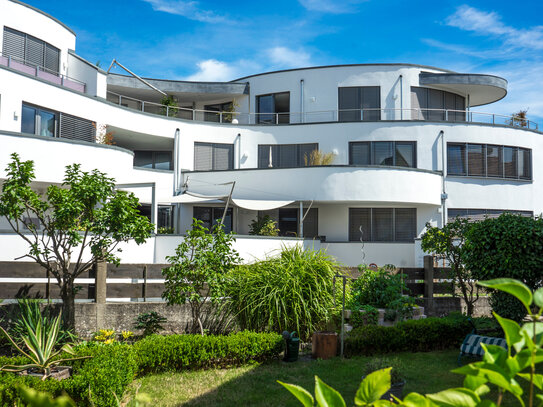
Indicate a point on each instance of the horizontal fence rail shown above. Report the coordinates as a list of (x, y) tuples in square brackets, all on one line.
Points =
[(344, 115)]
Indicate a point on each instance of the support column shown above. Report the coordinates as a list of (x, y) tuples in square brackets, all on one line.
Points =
[(429, 285), (101, 293)]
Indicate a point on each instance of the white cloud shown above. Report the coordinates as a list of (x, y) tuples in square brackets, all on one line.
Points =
[(188, 9), (212, 70), (283, 57), (332, 7), (489, 23)]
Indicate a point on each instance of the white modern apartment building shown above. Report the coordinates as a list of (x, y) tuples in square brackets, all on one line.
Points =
[(409, 146)]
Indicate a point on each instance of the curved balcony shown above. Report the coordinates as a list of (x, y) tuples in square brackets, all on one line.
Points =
[(335, 183), (324, 116)]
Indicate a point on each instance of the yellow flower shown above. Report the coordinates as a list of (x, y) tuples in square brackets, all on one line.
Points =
[(127, 334)]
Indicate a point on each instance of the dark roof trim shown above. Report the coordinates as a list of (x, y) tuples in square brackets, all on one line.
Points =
[(341, 66), (72, 53), (45, 14), (428, 78)]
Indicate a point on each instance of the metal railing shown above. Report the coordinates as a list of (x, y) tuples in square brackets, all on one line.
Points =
[(324, 116), (42, 72)]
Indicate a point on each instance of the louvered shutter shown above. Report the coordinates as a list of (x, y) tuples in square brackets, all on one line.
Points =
[(13, 44), (510, 162), (34, 51), (52, 58), (456, 159), (524, 163), (360, 218), (203, 157), (76, 128), (405, 224), (264, 156), (359, 153), (223, 156), (383, 153), (288, 156), (305, 151), (382, 225), (494, 166), (476, 160)]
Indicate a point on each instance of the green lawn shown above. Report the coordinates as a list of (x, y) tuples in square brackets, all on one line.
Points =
[(255, 385)]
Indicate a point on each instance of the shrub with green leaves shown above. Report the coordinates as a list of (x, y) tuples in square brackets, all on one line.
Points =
[(150, 322), (263, 226), (365, 315), (290, 292)]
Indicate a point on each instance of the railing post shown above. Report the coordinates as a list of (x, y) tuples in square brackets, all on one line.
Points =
[(144, 285), (429, 284), (220, 117), (276, 118), (167, 111), (120, 100), (143, 106), (100, 282), (446, 115), (9, 61), (193, 114)]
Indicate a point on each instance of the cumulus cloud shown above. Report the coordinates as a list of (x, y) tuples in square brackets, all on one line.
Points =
[(283, 57), (188, 9), (332, 7), (212, 70)]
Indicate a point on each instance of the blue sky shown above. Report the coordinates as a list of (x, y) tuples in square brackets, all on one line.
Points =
[(218, 40)]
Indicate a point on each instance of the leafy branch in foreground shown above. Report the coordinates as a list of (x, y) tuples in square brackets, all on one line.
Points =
[(501, 368)]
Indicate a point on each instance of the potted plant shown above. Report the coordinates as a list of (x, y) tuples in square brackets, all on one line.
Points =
[(40, 340), (397, 374)]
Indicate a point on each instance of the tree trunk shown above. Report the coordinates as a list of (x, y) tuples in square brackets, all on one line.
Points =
[(67, 294)]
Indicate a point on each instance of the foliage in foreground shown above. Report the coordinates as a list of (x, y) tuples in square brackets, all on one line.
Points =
[(293, 292), (500, 368)]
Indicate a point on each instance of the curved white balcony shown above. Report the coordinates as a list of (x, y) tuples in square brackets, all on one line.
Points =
[(336, 183)]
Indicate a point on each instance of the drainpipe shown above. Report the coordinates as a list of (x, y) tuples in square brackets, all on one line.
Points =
[(302, 118), (401, 97), (444, 195), (176, 162), (301, 217), (469, 108), (238, 139)]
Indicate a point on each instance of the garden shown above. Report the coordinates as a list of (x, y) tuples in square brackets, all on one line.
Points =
[(254, 327)]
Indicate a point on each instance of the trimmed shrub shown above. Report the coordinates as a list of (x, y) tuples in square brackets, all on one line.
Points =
[(421, 335), (182, 352)]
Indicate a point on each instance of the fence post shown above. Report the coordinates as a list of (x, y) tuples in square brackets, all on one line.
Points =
[(429, 284), (144, 285), (100, 285)]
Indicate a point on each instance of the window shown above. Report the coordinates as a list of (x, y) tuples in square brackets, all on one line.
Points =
[(481, 214), (209, 116), (273, 108), (76, 128), (213, 156), (164, 215), (284, 155), (160, 160), (362, 103), (211, 216), (35, 120), (33, 51), (486, 160), (393, 153), (430, 104), (288, 221), (382, 224)]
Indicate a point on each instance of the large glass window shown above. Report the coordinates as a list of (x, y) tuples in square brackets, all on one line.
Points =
[(288, 221), (360, 103), (160, 160), (481, 214), (285, 155), (211, 216), (165, 216), (382, 224), (209, 116), (273, 108), (437, 105), (487, 160), (213, 156), (39, 121), (391, 153)]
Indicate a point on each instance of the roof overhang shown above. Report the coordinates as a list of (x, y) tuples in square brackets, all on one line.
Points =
[(482, 89)]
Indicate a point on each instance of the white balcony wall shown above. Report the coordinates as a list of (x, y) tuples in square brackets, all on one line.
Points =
[(93, 77)]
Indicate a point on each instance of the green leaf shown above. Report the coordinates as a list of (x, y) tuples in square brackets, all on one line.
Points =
[(538, 297), (458, 397), (511, 286), (529, 328), (326, 396), (538, 379), (477, 384), (300, 393), (415, 400), (373, 387), (512, 332)]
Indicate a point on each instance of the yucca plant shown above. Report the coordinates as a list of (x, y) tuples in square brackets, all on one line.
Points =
[(40, 340)]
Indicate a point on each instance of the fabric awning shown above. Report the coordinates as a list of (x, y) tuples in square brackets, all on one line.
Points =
[(259, 205), (188, 199)]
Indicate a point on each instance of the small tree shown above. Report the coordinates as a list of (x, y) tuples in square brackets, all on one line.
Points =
[(449, 242), (519, 118), (73, 226), (198, 270)]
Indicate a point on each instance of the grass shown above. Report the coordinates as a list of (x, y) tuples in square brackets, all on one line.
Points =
[(255, 385)]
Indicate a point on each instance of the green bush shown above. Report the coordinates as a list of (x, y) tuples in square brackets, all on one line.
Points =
[(421, 335), (507, 306), (181, 352), (369, 316), (292, 292)]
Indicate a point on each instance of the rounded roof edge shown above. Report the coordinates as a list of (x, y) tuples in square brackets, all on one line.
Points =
[(56, 20), (345, 65)]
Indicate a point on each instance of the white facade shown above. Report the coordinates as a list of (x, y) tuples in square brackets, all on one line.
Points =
[(412, 185)]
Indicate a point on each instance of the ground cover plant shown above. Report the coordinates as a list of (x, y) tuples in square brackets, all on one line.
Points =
[(292, 291)]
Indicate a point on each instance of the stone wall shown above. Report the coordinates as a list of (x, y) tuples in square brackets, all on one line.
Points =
[(445, 305)]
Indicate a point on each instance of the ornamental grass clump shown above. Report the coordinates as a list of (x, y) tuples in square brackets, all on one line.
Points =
[(293, 292)]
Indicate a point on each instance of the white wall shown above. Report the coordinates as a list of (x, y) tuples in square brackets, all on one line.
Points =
[(92, 76)]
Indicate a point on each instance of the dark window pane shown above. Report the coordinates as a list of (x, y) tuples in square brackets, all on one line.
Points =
[(264, 156), (476, 160), (282, 107), (450, 106), (349, 104), (405, 154), (524, 163), (494, 167), (510, 162), (305, 151), (223, 157), (288, 222), (456, 159), (311, 223), (460, 105), (419, 103), (165, 216), (288, 156), (371, 103), (205, 215), (360, 224), (143, 159), (382, 225), (405, 224), (163, 160), (265, 105), (28, 120), (383, 153), (435, 105), (359, 153), (47, 124)]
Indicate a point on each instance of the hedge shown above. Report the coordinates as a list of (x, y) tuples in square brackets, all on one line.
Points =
[(112, 368), (421, 335)]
